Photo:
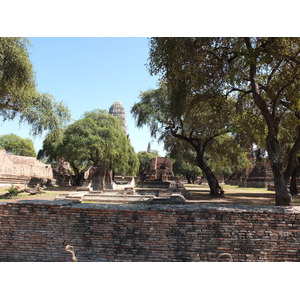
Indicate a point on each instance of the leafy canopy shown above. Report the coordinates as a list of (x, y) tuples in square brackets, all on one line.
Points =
[(16, 145), (262, 76), (18, 93), (97, 138)]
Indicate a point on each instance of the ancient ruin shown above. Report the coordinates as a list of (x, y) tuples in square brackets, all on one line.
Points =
[(260, 176), (257, 175), (63, 173), (159, 187), (25, 170), (118, 111), (160, 168)]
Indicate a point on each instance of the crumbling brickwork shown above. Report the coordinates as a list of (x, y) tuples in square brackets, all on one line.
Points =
[(15, 168), (160, 168), (40, 231)]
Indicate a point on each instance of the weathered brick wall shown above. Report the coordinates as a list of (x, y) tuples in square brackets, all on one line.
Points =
[(40, 230), (24, 166)]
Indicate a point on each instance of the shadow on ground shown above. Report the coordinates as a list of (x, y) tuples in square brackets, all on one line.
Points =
[(233, 196)]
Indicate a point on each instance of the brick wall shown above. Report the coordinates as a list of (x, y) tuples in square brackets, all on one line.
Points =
[(40, 230), (22, 166)]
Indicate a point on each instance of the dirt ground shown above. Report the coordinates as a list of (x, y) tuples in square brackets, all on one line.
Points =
[(234, 195), (50, 194), (199, 194)]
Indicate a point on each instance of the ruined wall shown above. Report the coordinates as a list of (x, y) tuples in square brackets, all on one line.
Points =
[(39, 231), (15, 167), (160, 168)]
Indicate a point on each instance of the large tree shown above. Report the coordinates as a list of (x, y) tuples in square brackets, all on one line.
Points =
[(95, 139), (266, 69), (166, 111), (18, 93), (16, 145), (184, 160), (224, 155)]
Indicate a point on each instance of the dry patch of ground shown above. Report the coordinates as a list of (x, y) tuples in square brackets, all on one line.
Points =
[(49, 194), (199, 194), (234, 195)]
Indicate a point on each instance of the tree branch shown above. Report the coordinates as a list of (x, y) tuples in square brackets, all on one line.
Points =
[(238, 90)]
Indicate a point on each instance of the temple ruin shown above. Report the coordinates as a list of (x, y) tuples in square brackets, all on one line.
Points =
[(118, 111), (160, 168), (16, 169)]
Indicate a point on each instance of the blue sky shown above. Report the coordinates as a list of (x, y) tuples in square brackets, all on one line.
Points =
[(89, 73)]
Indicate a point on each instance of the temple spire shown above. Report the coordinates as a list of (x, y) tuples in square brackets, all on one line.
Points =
[(118, 111)]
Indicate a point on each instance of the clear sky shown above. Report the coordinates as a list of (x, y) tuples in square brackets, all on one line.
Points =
[(89, 73)]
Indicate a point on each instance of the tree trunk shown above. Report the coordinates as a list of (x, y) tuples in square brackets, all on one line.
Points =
[(101, 178), (215, 189), (193, 179), (282, 194), (293, 185), (292, 158), (79, 178)]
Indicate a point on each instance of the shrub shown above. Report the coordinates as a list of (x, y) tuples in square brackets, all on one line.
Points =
[(12, 191)]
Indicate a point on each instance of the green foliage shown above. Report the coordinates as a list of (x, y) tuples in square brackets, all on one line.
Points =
[(186, 169), (260, 74), (18, 93), (133, 163), (233, 159), (225, 66), (184, 159), (97, 138), (45, 114), (226, 162), (16, 145), (12, 191), (52, 146), (189, 118), (159, 110)]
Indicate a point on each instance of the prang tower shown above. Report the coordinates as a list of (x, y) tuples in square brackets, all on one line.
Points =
[(118, 111)]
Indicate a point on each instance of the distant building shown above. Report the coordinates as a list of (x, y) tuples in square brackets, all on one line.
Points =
[(118, 111)]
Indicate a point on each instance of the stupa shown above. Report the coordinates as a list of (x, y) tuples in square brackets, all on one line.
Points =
[(118, 111)]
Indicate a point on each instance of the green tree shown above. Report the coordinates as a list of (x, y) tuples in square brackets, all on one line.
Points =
[(221, 161), (52, 148), (184, 158), (95, 139), (18, 93), (290, 158), (133, 163), (186, 169), (16, 145), (166, 112), (227, 156), (260, 72)]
